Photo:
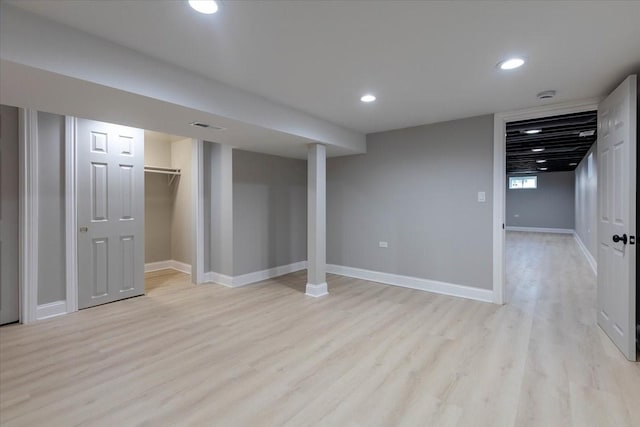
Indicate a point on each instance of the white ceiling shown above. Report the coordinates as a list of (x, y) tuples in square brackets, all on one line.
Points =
[(425, 61)]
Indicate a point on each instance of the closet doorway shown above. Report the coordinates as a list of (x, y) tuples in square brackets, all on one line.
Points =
[(168, 209)]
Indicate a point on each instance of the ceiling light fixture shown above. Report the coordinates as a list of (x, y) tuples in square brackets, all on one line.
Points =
[(511, 63), (573, 164), (532, 131), (208, 7), (537, 150), (368, 98), (543, 169), (541, 161)]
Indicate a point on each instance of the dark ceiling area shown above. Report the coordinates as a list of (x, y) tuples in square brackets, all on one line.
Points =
[(552, 144)]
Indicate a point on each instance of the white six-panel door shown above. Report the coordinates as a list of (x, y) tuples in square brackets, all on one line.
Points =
[(617, 216), (9, 299), (110, 212)]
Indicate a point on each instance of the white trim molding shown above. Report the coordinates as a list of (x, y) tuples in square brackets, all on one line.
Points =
[(218, 278), (590, 259), (500, 121), (167, 265), (444, 288), (28, 182), (255, 277), (71, 241), (258, 276), (317, 291), (542, 230), (52, 309)]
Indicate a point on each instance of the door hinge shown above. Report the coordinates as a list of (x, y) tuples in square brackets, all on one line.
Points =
[(503, 226), (632, 240)]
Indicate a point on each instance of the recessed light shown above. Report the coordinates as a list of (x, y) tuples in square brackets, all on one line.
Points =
[(573, 164), (511, 63), (207, 7), (537, 150), (541, 161), (543, 169), (368, 98), (547, 94), (532, 131)]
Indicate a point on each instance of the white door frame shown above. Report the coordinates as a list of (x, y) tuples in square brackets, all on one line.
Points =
[(500, 121), (70, 212), (28, 213)]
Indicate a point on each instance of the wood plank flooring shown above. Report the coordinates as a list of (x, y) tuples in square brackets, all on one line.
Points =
[(365, 355)]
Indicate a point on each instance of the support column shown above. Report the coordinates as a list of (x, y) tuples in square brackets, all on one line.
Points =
[(316, 221)]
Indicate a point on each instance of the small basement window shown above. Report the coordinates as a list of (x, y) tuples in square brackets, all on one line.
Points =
[(523, 182)]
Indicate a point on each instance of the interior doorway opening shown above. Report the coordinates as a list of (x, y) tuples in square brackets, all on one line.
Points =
[(168, 209)]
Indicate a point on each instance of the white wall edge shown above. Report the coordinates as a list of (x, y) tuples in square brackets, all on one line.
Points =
[(197, 200), (167, 265), (52, 309), (417, 283), (542, 230), (592, 261)]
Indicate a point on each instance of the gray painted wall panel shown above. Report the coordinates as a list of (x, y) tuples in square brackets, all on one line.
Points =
[(551, 205), (586, 200), (270, 211), (51, 209), (416, 189), (218, 208)]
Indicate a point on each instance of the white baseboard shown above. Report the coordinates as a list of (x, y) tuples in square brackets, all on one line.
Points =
[(317, 290), (221, 279), (168, 264), (52, 309), (434, 286), (592, 261), (541, 230), (256, 276)]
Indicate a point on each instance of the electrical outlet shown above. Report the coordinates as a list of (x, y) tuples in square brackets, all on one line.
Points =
[(383, 244)]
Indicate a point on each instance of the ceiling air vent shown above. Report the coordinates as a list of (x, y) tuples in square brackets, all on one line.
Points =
[(206, 126)]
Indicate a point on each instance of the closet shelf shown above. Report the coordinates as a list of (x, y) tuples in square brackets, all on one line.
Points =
[(171, 172)]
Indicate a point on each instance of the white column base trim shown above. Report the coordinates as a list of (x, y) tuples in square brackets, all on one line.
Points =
[(52, 309), (317, 290), (256, 276), (590, 259), (417, 283), (168, 264), (541, 230)]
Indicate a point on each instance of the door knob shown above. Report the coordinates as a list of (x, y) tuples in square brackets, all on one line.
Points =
[(622, 238)]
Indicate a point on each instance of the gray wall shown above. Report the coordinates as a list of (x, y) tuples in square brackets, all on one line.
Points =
[(416, 189), (181, 152), (586, 200), (218, 208), (51, 209), (158, 203), (270, 211), (551, 205)]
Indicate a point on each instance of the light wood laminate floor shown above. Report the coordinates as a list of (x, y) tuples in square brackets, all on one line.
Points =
[(366, 355)]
